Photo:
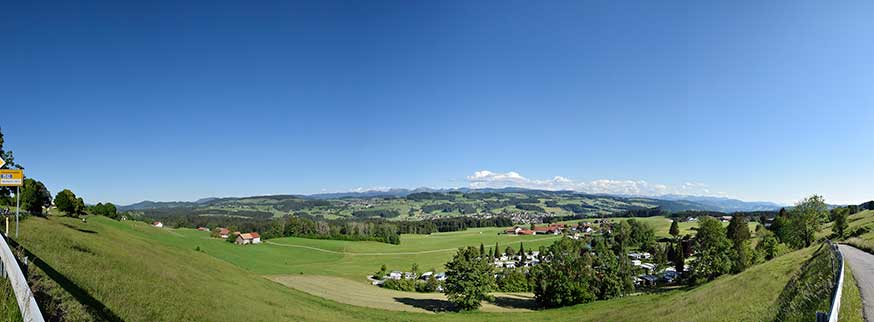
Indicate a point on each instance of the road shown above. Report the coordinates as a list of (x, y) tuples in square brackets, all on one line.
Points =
[(862, 264)]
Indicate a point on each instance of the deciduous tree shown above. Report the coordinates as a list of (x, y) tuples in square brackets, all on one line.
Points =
[(469, 279)]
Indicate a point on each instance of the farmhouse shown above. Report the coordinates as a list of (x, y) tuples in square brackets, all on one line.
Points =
[(202, 228), (513, 231), (248, 238), (224, 232), (158, 224)]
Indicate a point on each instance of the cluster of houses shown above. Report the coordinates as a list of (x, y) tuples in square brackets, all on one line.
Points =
[(574, 231), (398, 275), (506, 261), (650, 277), (224, 233)]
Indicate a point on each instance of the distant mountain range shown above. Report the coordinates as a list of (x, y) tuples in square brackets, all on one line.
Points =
[(667, 202)]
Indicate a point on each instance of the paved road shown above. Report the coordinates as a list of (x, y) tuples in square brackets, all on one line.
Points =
[(862, 264)]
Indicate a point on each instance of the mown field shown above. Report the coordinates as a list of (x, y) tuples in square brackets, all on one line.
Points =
[(135, 272)]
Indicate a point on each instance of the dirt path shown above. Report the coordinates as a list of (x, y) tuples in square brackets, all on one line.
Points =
[(862, 264), (389, 253)]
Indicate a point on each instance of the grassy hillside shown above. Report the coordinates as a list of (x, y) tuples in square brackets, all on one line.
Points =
[(134, 272)]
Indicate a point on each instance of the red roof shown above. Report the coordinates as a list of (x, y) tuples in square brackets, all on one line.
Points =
[(255, 235), (223, 231), (526, 232), (541, 228)]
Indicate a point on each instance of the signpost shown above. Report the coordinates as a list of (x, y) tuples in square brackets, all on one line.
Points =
[(13, 178)]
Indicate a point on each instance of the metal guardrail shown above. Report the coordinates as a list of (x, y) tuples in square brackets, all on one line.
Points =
[(835, 307), (26, 303)]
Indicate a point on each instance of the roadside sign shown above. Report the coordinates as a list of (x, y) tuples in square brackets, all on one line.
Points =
[(11, 178), (2, 163)]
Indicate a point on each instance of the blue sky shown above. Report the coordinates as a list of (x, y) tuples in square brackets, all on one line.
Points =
[(176, 101)]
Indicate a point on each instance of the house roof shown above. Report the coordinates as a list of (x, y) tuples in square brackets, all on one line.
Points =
[(526, 232), (255, 235), (224, 231), (541, 228), (246, 236)]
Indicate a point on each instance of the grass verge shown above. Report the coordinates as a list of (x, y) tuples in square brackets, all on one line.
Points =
[(851, 299), (810, 290)]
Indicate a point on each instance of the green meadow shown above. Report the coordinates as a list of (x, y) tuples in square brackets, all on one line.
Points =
[(106, 269)]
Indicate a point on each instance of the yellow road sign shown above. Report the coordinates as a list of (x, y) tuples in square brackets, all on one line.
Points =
[(2, 162), (11, 178)]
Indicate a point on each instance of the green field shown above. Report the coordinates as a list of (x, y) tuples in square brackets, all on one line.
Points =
[(141, 273)]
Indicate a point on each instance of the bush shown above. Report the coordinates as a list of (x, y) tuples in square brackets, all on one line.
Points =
[(400, 285), (513, 281)]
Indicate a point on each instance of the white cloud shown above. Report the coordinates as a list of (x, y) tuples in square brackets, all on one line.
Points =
[(489, 179)]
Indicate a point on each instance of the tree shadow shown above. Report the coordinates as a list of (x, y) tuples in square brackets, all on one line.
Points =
[(432, 305), (515, 302), (94, 306), (79, 229)]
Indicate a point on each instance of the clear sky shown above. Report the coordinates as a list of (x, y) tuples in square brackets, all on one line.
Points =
[(177, 100)]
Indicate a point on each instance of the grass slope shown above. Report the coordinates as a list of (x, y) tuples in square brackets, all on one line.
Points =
[(144, 274), (851, 299)]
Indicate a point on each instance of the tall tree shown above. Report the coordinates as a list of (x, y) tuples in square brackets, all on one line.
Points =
[(35, 197), (675, 229), (566, 276), (67, 202), (522, 256), (840, 225), (482, 250), (712, 251), (469, 279), (738, 232), (805, 219)]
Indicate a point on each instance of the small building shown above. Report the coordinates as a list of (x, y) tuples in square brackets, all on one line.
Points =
[(725, 218), (202, 228), (647, 280), (395, 275), (248, 238), (513, 231), (158, 224), (224, 232), (526, 232)]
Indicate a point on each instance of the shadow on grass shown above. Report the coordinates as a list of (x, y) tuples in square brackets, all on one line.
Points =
[(94, 306), (515, 302), (79, 229), (432, 305)]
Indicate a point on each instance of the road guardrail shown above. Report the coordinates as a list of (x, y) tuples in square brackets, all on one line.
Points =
[(26, 302)]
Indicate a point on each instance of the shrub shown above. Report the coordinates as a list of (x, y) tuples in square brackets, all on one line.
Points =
[(400, 285)]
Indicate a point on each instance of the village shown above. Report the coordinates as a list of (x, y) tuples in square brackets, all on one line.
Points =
[(649, 274)]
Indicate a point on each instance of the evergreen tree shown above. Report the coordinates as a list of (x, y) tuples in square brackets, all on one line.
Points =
[(739, 233), (840, 225), (482, 250), (522, 257), (675, 229)]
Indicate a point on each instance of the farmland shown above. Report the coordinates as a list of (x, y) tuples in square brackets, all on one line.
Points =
[(429, 205), (141, 273)]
